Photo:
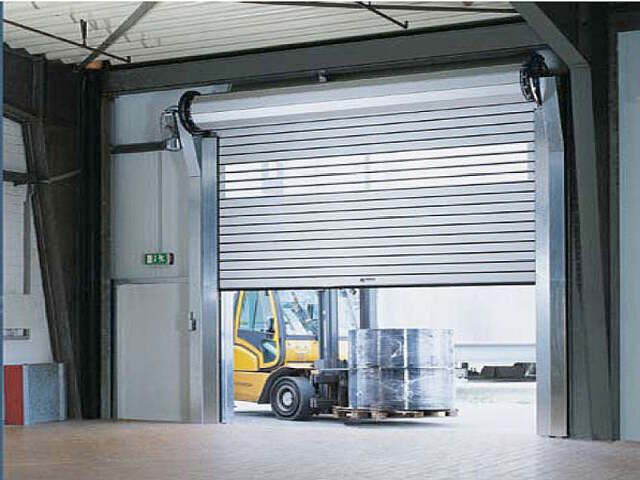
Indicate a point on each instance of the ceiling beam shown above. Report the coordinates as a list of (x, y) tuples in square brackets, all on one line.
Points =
[(554, 36), (389, 6), (124, 27), (419, 48)]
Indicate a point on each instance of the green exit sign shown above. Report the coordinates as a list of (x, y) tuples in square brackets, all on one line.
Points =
[(161, 258)]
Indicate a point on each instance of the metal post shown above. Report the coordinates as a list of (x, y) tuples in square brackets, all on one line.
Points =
[(107, 334), (26, 243), (368, 308), (551, 357)]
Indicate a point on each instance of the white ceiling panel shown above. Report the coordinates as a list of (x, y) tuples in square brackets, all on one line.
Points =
[(183, 29)]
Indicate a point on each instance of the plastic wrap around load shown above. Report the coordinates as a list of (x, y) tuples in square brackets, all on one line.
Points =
[(401, 369)]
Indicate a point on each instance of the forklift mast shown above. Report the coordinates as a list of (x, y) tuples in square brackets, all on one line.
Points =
[(331, 375), (329, 333)]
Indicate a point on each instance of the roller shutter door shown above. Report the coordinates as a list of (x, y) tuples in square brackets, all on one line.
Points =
[(422, 181)]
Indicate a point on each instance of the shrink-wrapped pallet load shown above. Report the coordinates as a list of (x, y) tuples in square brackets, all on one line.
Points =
[(401, 369)]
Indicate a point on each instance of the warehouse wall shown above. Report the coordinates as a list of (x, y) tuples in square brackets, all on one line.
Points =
[(23, 296), (629, 122), (43, 96)]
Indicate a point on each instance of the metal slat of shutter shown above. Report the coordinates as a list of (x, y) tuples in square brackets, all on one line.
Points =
[(372, 176), (403, 222), (398, 130), (300, 128), (387, 260), (294, 175), (397, 141), (355, 191), (386, 213), (399, 250), (319, 200), (238, 215), (412, 269), (384, 158), (505, 233), (519, 135), (290, 172), (522, 214), (519, 175), (377, 232), (460, 277)]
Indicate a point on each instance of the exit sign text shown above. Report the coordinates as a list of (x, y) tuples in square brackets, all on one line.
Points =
[(161, 258)]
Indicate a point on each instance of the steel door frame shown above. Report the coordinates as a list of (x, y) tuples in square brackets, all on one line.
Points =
[(551, 277), (213, 391)]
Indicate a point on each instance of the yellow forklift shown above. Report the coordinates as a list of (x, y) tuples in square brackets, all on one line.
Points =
[(288, 351)]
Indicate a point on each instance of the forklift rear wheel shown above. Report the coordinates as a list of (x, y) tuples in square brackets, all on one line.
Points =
[(291, 398)]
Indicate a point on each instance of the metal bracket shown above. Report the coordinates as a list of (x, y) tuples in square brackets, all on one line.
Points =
[(170, 142), (530, 73), (83, 31), (170, 129)]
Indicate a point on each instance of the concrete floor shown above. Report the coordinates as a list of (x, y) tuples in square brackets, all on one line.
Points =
[(487, 441)]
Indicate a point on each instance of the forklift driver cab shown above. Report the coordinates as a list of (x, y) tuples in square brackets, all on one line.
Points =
[(276, 342), (275, 339)]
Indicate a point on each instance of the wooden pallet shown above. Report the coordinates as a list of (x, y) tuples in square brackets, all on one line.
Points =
[(358, 414)]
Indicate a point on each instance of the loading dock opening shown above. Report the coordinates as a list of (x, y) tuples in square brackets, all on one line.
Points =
[(277, 335), (227, 162)]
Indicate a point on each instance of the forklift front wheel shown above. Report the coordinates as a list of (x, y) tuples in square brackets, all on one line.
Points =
[(291, 398)]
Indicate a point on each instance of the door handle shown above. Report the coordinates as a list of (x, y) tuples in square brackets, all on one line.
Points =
[(191, 322)]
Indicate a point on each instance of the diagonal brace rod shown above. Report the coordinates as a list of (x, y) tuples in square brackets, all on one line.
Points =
[(388, 6), (65, 40), (124, 27), (373, 9)]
